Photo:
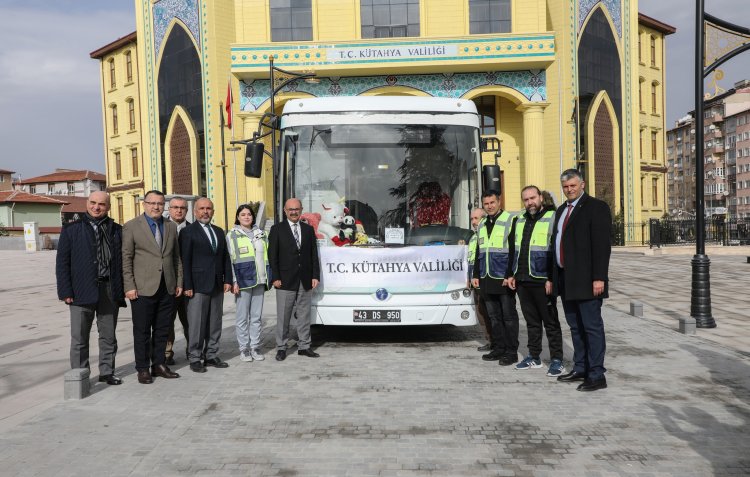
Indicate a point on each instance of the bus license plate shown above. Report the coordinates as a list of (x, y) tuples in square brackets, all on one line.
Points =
[(377, 316)]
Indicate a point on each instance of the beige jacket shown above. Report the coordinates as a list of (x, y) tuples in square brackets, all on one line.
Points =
[(143, 264)]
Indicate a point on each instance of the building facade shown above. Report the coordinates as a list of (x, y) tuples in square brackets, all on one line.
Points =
[(652, 115), (723, 154), (64, 182), (681, 168), (121, 118), (6, 179), (555, 82)]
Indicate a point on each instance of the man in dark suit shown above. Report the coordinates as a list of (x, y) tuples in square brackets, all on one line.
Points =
[(208, 275), (178, 207), (152, 277), (293, 257), (89, 280), (581, 240)]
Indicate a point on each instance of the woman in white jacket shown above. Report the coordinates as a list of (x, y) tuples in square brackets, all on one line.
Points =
[(247, 247)]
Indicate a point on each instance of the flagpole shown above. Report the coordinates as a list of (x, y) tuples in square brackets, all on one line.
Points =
[(234, 149), (223, 166)]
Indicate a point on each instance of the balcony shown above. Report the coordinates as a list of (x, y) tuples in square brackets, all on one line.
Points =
[(479, 53)]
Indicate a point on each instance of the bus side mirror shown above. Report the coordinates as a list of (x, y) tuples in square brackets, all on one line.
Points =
[(254, 159), (491, 178)]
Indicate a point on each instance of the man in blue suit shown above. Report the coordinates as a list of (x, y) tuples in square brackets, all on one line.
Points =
[(582, 247), (207, 275), (89, 281)]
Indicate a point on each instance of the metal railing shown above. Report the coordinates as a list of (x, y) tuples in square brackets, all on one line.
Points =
[(665, 232)]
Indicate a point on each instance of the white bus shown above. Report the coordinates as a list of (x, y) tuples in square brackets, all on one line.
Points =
[(388, 183)]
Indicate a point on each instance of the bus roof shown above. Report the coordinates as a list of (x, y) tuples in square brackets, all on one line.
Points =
[(415, 104)]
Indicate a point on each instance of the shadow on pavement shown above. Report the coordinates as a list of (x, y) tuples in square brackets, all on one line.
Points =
[(727, 448)]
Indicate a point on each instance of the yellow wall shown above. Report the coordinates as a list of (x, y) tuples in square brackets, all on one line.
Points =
[(652, 120), (126, 139)]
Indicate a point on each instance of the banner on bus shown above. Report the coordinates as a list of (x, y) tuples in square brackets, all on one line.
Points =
[(401, 269)]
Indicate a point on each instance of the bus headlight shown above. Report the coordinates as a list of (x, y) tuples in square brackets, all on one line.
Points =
[(455, 295), (467, 292), (464, 315)]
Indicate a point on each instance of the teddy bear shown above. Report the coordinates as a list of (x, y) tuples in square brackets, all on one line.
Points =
[(330, 220), (347, 231), (312, 219)]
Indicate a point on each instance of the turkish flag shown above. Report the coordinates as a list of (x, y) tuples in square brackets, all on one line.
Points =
[(229, 104)]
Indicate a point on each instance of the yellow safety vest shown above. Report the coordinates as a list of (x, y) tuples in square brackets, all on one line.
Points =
[(539, 244), (242, 252), (472, 254), (494, 250)]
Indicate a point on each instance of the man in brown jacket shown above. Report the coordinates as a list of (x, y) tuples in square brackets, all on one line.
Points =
[(152, 277)]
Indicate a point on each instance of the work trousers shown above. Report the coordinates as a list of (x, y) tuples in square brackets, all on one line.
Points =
[(152, 316), (180, 310), (481, 309), (501, 310), (81, 320), (540, 309)]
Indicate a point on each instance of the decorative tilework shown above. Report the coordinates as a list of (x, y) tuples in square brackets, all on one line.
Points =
[(613, 7), (165, 10), (532, 84)]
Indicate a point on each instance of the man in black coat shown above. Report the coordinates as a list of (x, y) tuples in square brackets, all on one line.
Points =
[(581, 240), (89, 280), (207, 275), (293, 257)]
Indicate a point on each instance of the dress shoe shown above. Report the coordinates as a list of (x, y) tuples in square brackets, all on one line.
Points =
[(571, 377), (144, 377), (308, 352), (197, 367), (484, 348), (216, 363), (110, 379), (280, 355), (163, 371), (507, 360), (592, 384), (169, 361), (492, 356)]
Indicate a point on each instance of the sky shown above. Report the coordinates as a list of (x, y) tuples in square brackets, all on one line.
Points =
[(50, 99)]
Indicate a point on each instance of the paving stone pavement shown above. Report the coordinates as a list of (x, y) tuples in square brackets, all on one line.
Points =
[(382, 402)]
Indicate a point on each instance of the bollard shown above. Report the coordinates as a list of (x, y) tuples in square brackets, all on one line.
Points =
[(636, 308), (687, 325), (748, 259), (77, 384)]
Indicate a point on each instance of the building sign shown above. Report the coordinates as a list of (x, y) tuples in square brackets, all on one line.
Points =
[(392, 52), (406, 270)]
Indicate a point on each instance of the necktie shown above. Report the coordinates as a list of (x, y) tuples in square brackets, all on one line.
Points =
[(213, 238), (296, 235), (565, 224), (157, 236)]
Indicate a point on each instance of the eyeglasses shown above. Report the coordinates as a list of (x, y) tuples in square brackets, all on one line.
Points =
[(293, 210), (154, 204), (176, 207)]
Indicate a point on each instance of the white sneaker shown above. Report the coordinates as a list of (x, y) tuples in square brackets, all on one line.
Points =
[(246, 356), (256, 355)]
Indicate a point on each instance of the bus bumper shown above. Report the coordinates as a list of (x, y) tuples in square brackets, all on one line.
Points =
[(456, 315)]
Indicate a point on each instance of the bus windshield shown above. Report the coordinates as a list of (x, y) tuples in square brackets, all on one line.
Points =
[(414, 178)]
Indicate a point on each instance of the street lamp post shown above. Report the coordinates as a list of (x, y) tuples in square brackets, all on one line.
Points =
[(270, 121), (700, 300)]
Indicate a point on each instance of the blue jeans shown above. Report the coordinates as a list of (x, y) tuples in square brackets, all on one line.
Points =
[(249, 311)]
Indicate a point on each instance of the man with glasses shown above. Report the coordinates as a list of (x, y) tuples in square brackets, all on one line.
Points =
[(152, 277), (178, 207), (293, 257)]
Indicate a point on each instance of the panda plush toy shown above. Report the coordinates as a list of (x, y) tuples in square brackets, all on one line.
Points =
[(348, 230)]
